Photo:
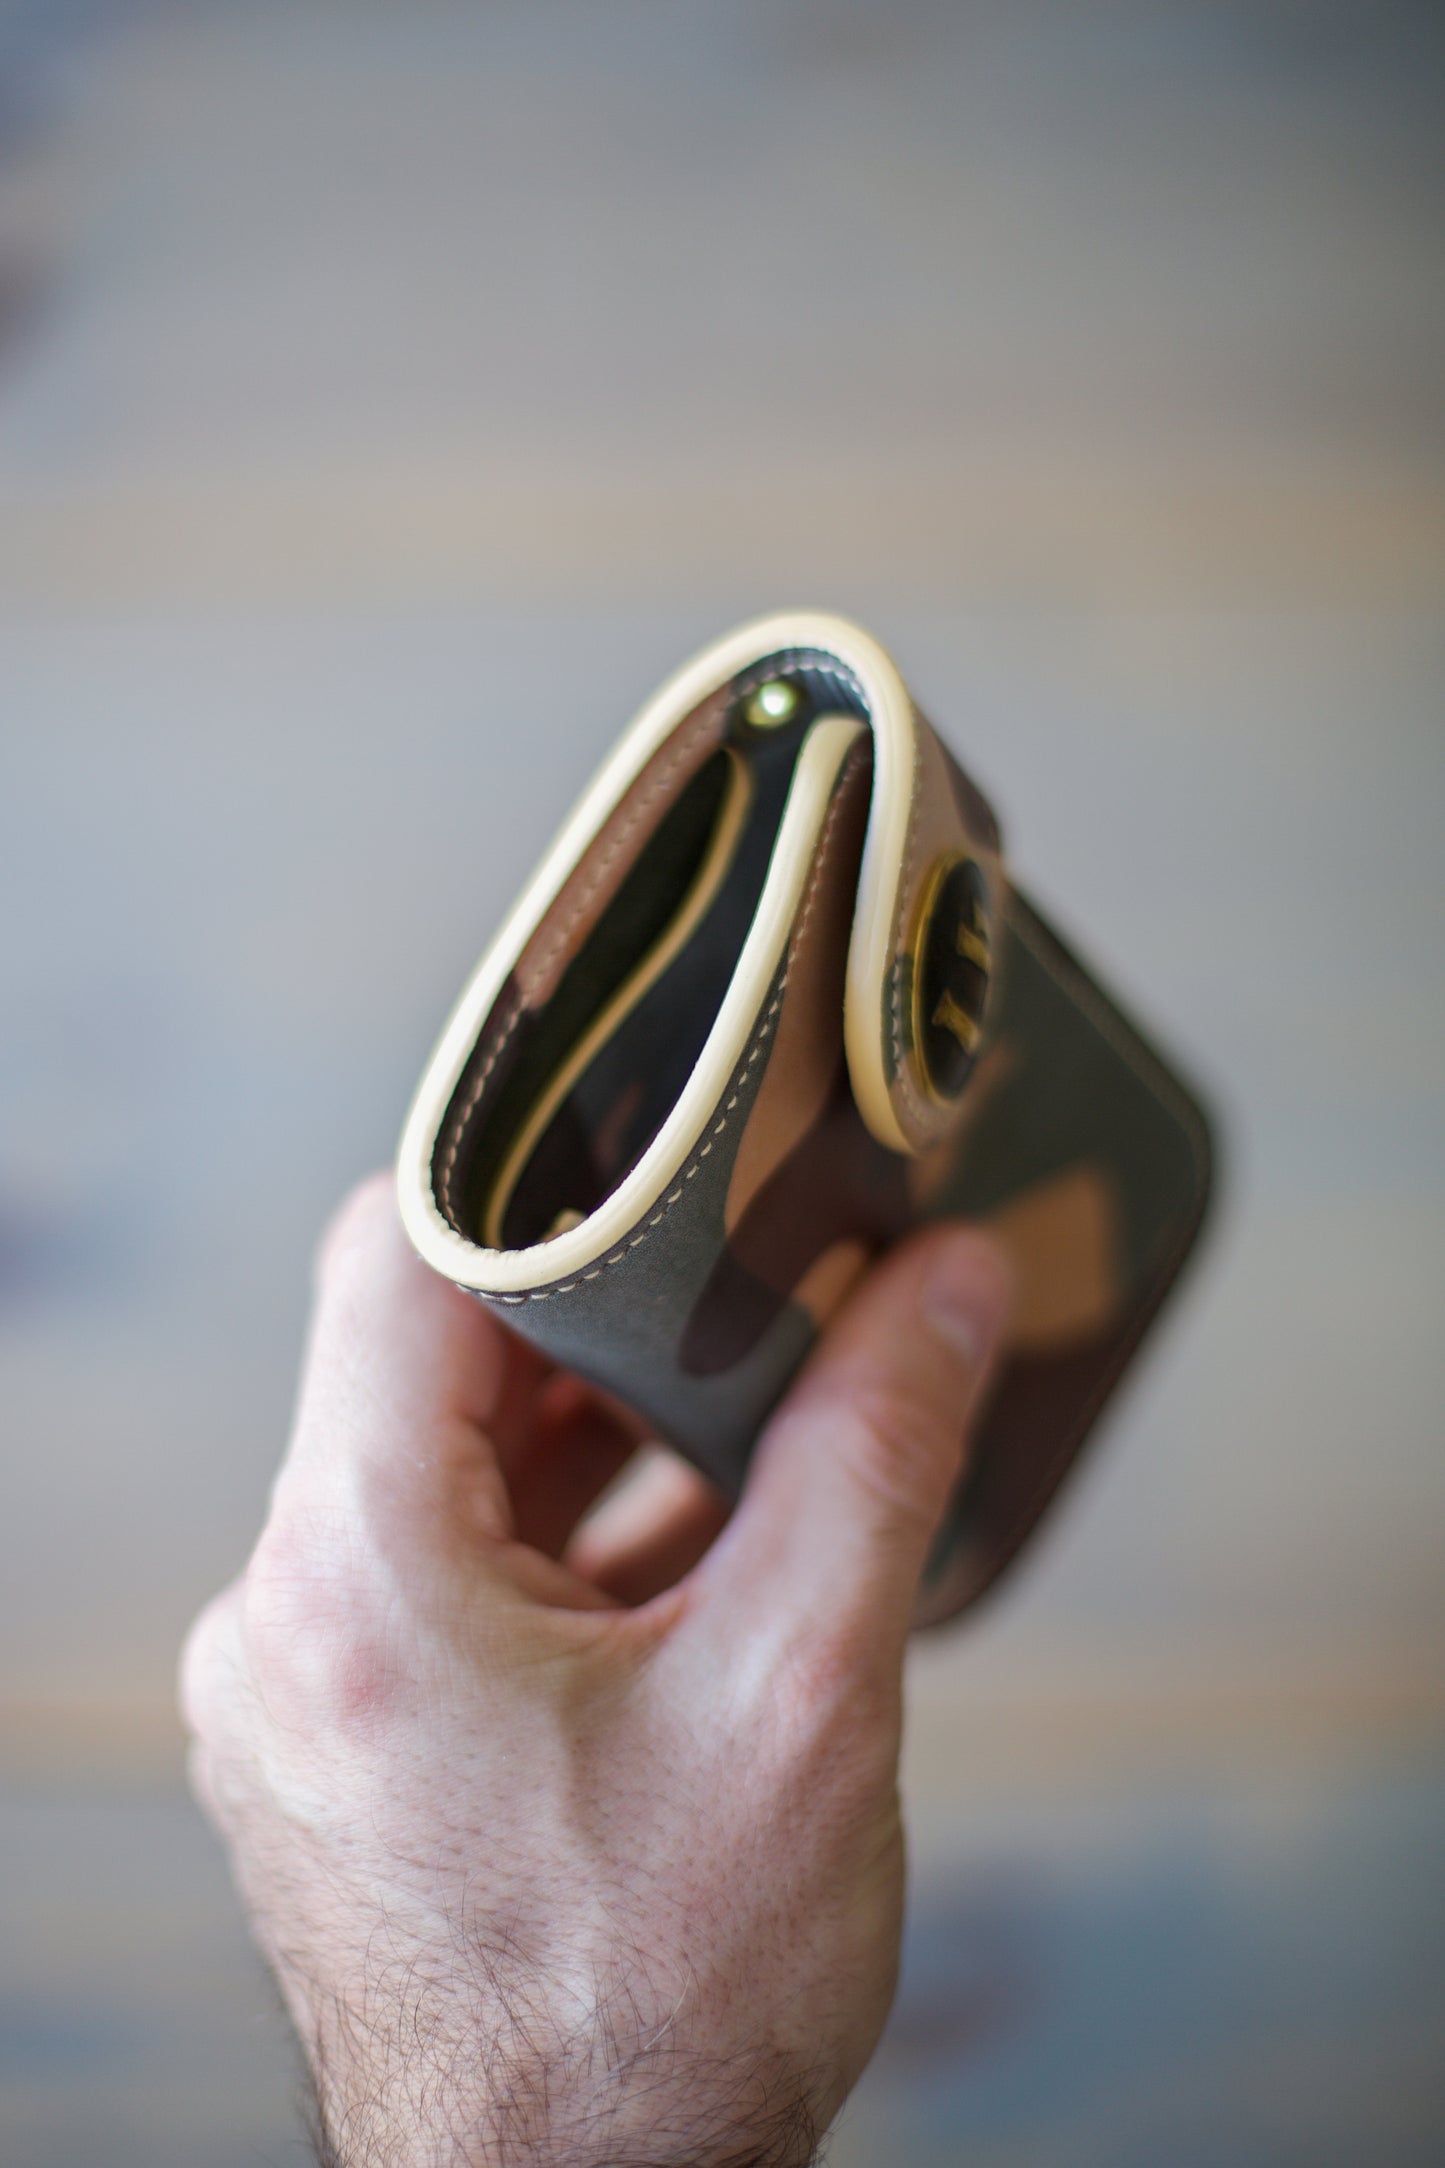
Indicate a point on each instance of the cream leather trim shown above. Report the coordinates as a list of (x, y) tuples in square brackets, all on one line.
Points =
[(502, 1272), (875, 941)]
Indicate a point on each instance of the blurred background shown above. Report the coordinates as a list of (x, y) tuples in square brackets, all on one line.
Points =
[(389, 397)]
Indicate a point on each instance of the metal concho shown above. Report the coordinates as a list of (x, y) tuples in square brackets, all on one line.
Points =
[(952, 964)]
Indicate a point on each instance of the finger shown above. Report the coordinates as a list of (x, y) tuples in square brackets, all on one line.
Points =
[(651, 1531), (404, 1376), (577, 1445), (853, 1472), (528, 1374)]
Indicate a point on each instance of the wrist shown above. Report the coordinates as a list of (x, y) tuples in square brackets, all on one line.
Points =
[(646, 2109)]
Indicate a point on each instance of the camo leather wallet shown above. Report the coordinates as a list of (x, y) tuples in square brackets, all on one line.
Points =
[(770, 999)]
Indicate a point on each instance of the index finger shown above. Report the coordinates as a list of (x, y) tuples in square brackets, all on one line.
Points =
[(406, 1381)]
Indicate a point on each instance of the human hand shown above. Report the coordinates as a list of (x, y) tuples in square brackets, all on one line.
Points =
[(579, 1845)]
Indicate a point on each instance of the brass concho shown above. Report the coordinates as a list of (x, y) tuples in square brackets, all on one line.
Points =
[(952, 964)]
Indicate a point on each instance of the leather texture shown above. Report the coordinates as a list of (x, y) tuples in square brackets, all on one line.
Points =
[(772, 999)]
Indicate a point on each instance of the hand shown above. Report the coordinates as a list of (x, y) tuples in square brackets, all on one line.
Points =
[(580, 1844)]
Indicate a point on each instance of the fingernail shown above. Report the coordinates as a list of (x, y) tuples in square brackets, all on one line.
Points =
[(966, 1295)]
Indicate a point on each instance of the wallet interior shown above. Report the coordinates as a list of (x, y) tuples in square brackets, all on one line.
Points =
[(600, 1067)]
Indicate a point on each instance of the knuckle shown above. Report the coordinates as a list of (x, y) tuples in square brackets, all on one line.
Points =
[(287, 1603), (894, 1447), (832, 1697), (316, 1650), (836, 1735)]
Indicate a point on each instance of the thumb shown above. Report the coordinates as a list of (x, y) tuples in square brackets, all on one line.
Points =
[(855, 1468)]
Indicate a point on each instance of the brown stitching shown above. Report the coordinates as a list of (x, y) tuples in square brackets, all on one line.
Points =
[(565, 1287), (682, 746)]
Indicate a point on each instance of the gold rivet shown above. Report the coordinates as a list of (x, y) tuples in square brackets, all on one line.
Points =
[(773, 705)]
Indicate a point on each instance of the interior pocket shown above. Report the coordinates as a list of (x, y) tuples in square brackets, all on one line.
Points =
[(592, 1077)]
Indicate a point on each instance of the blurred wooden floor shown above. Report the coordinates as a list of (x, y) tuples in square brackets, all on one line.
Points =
[(388, 399)]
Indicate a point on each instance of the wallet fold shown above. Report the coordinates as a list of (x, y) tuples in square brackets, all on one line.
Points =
[(770, 1000)]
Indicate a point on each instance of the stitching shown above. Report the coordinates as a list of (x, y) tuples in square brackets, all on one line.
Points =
[(682, 746), (812, 661), (565, 1287), (442, 1190), (905, 892), (928, 1120)]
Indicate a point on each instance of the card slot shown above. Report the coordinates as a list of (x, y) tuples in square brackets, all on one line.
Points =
[(608, 1058), (608, 1025)]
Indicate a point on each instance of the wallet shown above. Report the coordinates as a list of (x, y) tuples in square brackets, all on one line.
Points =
[(771, 999)]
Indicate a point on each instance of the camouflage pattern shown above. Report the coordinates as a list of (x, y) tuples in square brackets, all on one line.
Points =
[(1070, 1137)]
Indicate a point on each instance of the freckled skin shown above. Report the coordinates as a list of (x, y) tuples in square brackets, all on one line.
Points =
[(573, 1835)]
